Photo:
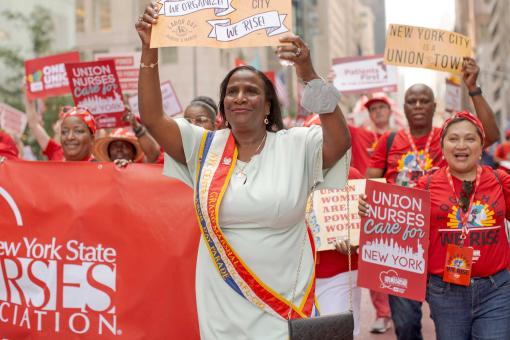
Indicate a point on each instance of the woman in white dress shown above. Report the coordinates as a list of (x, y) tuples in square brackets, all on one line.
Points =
[(251, 180)]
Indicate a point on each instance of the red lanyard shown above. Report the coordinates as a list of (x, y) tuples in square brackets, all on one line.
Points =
[(465, 215), (421, 162)]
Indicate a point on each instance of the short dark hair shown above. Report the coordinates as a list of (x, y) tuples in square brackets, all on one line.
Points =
[(275, 113), (207, 103)]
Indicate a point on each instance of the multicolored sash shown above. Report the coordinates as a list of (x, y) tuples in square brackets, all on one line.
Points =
[(216, 163)]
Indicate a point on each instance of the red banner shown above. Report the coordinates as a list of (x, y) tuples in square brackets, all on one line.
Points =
[(90, 251), (394, 241), (95, 85), (47, 76)]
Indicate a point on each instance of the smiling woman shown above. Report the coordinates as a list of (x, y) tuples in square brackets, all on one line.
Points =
[(469, 204), (77, 134), (251, 182)]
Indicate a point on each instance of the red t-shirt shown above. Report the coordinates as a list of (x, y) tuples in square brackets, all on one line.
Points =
[(54, 151), (331, 262), (486, 222), (8, 148), (363, 143), (400, 162)]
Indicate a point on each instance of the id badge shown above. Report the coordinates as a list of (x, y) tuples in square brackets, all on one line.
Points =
[(457, 269)]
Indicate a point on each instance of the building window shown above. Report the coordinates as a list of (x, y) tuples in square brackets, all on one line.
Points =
[(80, 16), (169, 55), (102, 17)]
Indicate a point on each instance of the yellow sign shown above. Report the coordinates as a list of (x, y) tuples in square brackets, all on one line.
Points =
[(426, 48), (221, 23)]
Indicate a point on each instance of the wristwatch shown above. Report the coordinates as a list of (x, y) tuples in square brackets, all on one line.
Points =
[(476, 92)]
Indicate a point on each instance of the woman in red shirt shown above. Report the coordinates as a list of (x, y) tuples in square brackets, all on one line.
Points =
[(77, 134), (469, 286)]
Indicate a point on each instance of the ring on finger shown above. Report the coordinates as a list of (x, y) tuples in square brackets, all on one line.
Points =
[(298, 52)]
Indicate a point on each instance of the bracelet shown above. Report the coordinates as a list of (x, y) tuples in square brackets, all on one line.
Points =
[(320, 97), (140, 131), (151, 65), (476, 92)]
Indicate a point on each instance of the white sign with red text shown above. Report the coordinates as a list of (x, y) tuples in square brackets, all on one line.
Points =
[(330, 216), (365, 74), (12, 121), (171, 105), (127, 66)]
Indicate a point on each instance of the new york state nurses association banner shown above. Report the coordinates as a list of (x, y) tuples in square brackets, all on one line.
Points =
[(90, 251)]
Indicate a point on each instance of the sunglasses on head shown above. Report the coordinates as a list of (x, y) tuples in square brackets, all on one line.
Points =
[(467, 189)]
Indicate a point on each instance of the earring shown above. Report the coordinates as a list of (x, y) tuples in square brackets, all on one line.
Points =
[(266, 121), (226, 123)]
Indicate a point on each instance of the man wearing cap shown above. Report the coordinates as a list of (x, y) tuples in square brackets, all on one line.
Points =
[(414, 152)]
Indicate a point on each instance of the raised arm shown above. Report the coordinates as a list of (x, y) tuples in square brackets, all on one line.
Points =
[(149, 146), (336, 136), (164, 129), (483, 110), (35, 126)]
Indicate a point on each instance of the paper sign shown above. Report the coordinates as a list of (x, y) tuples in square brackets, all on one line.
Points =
[(328, 219), (394, 241), (12, 121), (96, 87), (127, 66), (46, 77), (93, 253), (452, 97), (221, 23), (426, 48), (364, 75), (171, 105)]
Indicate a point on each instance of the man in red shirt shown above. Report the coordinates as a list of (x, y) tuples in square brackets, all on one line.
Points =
[(502, 154), (414, 152), (364, 140)]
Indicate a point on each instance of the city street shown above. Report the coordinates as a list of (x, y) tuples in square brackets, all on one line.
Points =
[(368, 315)]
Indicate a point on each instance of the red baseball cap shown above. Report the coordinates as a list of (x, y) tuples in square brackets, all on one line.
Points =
[(372, 100)]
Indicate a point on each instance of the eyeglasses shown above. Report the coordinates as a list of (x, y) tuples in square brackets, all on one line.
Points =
[(198, 120), (467, 189)]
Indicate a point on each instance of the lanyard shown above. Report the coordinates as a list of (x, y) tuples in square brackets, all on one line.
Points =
[(421, 162), (465, 215)]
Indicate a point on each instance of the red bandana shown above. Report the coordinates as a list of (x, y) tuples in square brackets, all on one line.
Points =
[(83, 114), (465, 115)]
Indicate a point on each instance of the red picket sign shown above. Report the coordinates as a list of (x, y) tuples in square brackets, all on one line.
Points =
[(91, 251), (394, 241), (95, 86), (46, 77)]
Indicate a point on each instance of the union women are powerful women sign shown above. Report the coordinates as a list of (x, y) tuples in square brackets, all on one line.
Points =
[(91, 251)]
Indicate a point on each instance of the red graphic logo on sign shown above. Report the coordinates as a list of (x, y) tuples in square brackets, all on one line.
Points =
[(47, 76)]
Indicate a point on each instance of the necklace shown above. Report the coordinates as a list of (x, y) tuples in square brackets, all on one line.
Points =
[(240, 173)]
